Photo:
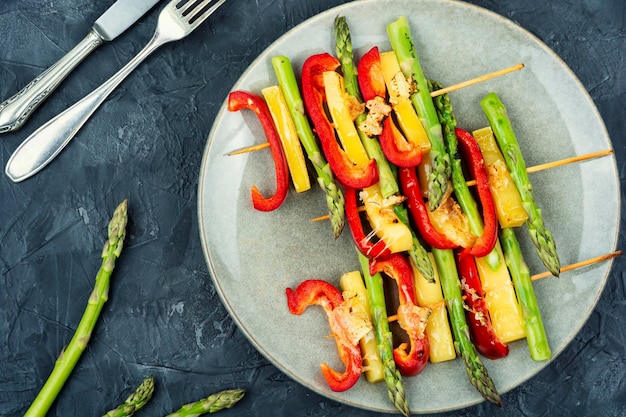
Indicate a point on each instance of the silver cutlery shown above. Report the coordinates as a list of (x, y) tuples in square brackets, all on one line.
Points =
[(177, 19), (114, 21)]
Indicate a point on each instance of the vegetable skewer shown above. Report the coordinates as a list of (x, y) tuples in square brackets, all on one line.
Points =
[(388, 184), (343, 50), (376, 294), (401, 42), (71, 354), (476, 371), (334, 196), (536, 168), (296, 105), (501, 125), (533, 324)]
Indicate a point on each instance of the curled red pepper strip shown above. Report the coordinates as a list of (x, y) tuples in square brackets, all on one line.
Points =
[(324, 294), (487, 240), (411, 318), (396, 148), (348, 173), (238, 100), (415, 202), (370, 75), (362, 241), (481, 330)]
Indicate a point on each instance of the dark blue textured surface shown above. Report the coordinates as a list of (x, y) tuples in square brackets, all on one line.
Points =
[(145, 143)]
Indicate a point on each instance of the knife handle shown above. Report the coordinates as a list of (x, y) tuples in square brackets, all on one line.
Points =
[(17, 109)]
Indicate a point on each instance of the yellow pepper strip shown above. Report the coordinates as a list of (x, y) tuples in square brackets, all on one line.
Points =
[(438, 328), (500, 298), (511, 212), (339, 107), (384, 221), (354, 292), (286, 130), (399, 91)]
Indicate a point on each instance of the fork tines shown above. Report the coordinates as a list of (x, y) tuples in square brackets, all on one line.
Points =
[(195, 11)]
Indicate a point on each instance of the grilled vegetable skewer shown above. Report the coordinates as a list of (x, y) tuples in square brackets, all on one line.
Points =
[(289, 87), (476, 371), (376, 294), (542, 238)]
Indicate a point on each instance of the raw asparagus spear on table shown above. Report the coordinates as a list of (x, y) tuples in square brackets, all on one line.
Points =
[(211, 404), (135, 401), (71, 354)]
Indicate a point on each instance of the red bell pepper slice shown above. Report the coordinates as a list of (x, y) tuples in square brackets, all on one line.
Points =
[(324, 294), (396, 148), (238, 100), (481, 330), (487, 240), (411, 317), (362, 241), (370, 75), (348, 173), (411, 189)]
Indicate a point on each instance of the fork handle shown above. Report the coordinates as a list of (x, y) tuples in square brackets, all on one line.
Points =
[(43, 145), (17, 109)]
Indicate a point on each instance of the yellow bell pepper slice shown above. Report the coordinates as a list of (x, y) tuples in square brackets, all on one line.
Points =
[(288, 135)]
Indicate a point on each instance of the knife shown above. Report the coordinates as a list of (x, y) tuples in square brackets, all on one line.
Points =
[(119, 17)]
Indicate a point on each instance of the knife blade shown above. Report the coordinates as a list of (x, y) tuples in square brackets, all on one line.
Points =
[(114, 21)]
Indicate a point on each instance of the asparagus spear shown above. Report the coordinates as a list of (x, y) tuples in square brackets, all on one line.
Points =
[(542, 238), (211, 404), (135, 401), (334, 196), (535, 332), (100, 294), (343, 50), (476, 371), (384, 342), (463, 195), (386, 176), (402, 43)]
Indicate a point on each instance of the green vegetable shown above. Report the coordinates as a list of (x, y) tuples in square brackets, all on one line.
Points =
[(533, 324), (461, 191), (476, 371), (386, 175), (384, 342), (343, 50), (135, 401), (325, 179), (542, 238), (100, 294), (211, 404), (402, 44)]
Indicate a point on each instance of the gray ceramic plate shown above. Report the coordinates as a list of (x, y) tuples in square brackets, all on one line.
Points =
[(254, 256)]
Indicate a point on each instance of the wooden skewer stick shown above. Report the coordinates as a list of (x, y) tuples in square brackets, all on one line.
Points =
[(547, 274), (561, 162), (435, 93), (252, 148), (476, 80), (579, 264)]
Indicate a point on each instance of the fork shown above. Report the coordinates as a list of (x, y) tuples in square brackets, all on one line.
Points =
[(177, 19)]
